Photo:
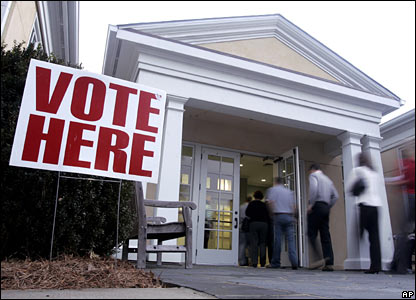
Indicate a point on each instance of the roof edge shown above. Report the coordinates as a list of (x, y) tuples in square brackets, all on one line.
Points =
[(288, 33), (398, 121)]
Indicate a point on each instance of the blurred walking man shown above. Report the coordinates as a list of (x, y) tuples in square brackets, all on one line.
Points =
[(322, 196), (404, 246), (282, 205)]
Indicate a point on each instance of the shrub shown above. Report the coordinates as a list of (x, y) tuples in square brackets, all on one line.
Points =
[(87, 210)]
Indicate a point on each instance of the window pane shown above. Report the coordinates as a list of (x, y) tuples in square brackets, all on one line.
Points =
[(185, 179), (185, 189), (292, 184), (226, 202), (187, 151), (180, 215), (225, 183), (210, 239), (187, 154), (282, 169), (212, 182), (225, 239), (211, 219), (289, 165), (212, 201), (184, 192), (184, 197), (226, 221), (185, 174), (227, 166), (213, 164)]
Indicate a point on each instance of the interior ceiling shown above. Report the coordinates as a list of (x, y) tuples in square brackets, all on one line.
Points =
[(256, 168), (250, 125)]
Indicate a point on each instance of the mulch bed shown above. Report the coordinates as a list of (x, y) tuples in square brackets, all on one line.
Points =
[(74, 273)]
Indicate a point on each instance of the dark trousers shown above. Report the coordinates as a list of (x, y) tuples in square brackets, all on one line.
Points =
[(270, 240), (258, 237), (318, 220), (284, 225), (369, 222), (402, 259)]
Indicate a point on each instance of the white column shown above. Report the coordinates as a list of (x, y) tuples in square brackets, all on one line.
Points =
[(170, 166), (357, 249), (371, 145)]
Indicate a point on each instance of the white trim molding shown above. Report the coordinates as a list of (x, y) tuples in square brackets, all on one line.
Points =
[(137, 42), (5, 9), (371, 143), (197, 32), (59, 24), (398, 131)]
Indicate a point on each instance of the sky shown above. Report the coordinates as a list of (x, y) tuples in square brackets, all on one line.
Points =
[(377, 37)]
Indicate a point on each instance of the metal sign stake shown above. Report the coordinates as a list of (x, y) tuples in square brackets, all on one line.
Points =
[(54, 214)]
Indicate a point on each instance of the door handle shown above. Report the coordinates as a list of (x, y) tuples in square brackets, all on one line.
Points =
[(236, 223)]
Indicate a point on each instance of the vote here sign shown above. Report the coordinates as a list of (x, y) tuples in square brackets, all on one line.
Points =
[(76, 121)]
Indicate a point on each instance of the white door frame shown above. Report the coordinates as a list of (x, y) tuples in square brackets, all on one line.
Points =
[(304, 214), (209, 256)]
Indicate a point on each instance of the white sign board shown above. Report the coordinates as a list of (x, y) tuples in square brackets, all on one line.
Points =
[(76, 121)]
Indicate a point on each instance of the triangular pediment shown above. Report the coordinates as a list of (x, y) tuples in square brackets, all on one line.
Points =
[(267, 39), (270, 51)]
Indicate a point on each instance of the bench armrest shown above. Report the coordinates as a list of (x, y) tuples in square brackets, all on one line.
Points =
[(170, 204)]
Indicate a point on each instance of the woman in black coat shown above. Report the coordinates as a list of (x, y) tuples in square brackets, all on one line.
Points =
[(259, 218)]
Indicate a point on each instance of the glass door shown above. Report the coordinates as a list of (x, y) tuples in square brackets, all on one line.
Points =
[(288, 169), (217, 241)]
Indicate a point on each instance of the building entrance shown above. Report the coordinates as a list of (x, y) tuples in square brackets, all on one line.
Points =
[(257, 173), (219, 181)]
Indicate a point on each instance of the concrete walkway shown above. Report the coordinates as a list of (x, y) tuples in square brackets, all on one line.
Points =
[(168, 293), (250, 283), (205, 282)]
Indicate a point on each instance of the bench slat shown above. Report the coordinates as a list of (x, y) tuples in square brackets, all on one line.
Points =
[(165, 248)]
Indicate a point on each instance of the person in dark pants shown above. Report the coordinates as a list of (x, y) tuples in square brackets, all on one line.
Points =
[(368, 201), (369, 222), (411, 248), (322, 196), (244, 236), (270, 239), (404, 246), (282, 204), (259, 218)]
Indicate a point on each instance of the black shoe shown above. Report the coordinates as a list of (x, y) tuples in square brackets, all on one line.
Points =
[(272, 267), (254, 266), (327, 269), (371, 272), (317, 264), (294, 268), (396, 272)]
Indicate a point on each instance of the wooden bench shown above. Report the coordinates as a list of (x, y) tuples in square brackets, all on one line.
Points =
[(157, 228)]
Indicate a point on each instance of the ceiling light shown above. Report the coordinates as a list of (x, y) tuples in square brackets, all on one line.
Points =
[(263, 180), (241, 165), (284, 171)]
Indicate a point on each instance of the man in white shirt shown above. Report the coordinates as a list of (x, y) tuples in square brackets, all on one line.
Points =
[(322, 196)]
